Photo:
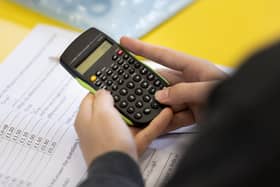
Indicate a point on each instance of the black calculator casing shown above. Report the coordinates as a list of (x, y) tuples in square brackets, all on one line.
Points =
[(139, 108)]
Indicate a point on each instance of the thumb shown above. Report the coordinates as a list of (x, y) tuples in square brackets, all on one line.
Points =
[(103, 102), (85, 113), (156, 128), (184, 93), (106, 114)]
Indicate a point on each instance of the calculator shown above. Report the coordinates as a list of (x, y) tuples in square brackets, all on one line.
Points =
[(96, 61)]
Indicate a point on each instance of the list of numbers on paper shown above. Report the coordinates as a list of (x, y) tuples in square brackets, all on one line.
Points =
[(36, 114)]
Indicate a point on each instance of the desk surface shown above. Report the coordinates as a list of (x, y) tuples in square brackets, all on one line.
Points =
[(221, 31)]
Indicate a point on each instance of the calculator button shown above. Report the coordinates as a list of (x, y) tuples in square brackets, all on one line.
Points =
[(104, 87), (137, 65), (126, 76), (131, 61), (155, 105), (114, 87), (120, 81), (98, 83), (130, 110), (137, 78), (103, 78), (147, 111), (116, 98), (120, 52), (152, 90), (98, 73), (109, 72), (150, 77), (125, 66), (131, 70), (115, 77), (143, 71), (109, 82), (125, 56), (138, 91), (93, 78), (123, 104), (130, 85), (144, 84), (138, 115), (131, 98), (157, 82), (120, 71), (139, 104), (115, 66), (123, 91), (161, 86), (114, 57), (120, 61), (146, 98)]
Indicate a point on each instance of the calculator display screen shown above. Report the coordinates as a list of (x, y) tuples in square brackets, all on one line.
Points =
[(94, 57)]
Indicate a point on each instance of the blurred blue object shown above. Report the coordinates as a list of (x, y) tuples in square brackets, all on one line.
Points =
[(123, 17)]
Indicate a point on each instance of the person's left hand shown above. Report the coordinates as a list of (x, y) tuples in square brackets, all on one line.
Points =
[(101, 128)]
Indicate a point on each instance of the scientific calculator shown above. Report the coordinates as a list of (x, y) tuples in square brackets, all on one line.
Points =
[(96, 61)]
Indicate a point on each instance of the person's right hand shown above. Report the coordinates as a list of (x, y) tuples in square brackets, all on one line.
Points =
[(190, 78)]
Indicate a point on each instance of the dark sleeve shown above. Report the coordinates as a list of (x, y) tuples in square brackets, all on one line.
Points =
[(113, 169), (239, 143)]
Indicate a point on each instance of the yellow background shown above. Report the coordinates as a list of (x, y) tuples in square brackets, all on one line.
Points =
[(222, 31)]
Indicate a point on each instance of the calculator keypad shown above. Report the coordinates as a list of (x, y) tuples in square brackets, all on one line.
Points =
[(133, 87)]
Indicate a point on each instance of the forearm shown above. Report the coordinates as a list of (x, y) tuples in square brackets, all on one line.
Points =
[(114, 169)]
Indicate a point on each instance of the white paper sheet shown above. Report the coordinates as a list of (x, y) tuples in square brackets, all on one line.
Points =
[(38, 104), (161, 159), (39, 101)]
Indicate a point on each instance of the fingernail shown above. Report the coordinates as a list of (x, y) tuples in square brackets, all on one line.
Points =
[(162, 94)]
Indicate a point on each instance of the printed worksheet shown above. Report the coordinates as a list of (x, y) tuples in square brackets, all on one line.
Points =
[(39, 101)]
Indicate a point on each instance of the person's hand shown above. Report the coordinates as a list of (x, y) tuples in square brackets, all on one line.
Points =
[(190, 78), (101, 128)]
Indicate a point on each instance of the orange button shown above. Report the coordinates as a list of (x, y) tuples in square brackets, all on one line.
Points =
[(93, 78)]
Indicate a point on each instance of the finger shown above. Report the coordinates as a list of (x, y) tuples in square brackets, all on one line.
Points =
[(105, 113), (185, 93), (179, 107), (87, 102), (167, 57), (153, 130), (198, 113), (181, 119), (103, 109), (85, 111), (103, 102), (172, 76), (134, 130)]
